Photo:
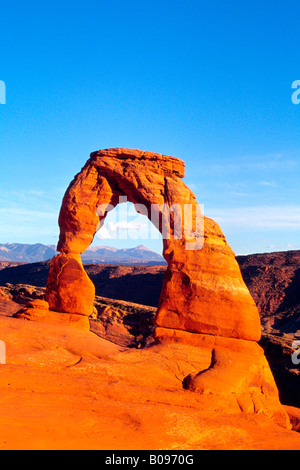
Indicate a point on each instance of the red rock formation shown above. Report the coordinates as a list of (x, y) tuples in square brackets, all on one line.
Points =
[(69, 289), (204, 300), (203, 291)]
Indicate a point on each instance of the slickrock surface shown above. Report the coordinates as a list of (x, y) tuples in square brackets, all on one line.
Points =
[(66, 388)]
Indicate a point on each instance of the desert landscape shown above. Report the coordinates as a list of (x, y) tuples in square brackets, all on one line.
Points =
[(120, 392), (149, 228), (128, 373)]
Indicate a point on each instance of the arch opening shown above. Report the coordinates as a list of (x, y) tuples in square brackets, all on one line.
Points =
[(127, 225)]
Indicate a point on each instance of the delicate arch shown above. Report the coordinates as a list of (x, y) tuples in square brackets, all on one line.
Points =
[(203, 290)]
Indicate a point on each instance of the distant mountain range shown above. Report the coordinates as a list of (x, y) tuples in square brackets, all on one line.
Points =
[(22, 253)]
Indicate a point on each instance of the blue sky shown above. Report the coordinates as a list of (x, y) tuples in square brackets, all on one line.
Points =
[(206, 81)]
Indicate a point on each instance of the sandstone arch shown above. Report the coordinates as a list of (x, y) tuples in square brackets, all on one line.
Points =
[(203, 290), (204, 301)]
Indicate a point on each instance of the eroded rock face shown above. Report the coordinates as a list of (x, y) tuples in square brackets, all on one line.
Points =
[(69, 289), (203, 290)]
